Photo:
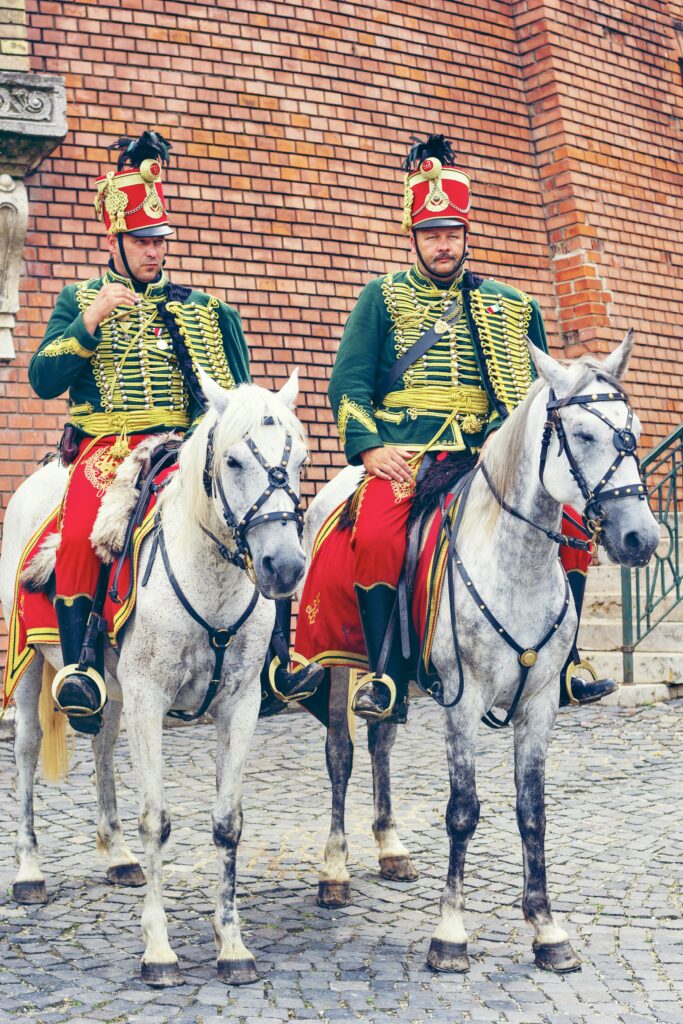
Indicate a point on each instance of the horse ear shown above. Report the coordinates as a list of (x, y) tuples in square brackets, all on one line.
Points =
[(616, 362), (289, 393), (549, 369), (215, 395)]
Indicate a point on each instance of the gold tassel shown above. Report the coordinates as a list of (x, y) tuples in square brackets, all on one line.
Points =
[(407, 222), (120, 449)]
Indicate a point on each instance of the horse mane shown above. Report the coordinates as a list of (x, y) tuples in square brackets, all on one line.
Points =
[(248, 413), (503, 454)]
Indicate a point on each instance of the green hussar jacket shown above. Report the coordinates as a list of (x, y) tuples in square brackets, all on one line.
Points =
[(125, 377), (479, 368)]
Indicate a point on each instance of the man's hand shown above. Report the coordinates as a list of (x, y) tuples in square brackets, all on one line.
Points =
[(388, 463), (108, 298)]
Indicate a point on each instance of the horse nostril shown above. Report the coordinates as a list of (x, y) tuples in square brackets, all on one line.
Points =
[(632, 541), (268, 565)]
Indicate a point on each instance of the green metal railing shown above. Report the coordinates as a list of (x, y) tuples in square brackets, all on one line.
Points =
[(648, 595)]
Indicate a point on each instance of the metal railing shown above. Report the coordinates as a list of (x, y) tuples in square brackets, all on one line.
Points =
[(648, 595)]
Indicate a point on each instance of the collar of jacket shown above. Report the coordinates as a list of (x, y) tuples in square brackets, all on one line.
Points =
[(154, 289)]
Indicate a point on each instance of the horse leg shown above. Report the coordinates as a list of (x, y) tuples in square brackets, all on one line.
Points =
[(394, 859), (334, 885), (159, 963), (122, 867), (552, 949), (29, 884), (448, 948)]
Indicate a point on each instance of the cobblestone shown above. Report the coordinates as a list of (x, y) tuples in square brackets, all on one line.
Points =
[(614, 841)]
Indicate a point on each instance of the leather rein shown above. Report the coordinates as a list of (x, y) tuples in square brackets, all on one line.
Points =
[(220, 638), (624, 441)]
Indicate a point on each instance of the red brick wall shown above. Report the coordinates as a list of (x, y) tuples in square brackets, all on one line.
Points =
[(286, 188)]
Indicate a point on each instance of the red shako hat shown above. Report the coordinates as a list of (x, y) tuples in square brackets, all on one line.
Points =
[(131, 198), (436, 193)]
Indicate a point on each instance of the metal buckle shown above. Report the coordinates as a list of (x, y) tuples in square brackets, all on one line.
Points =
[(220, 639)]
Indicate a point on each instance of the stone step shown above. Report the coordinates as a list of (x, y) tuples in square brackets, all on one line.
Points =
[(605, 634), (607, 605), (648, 666)]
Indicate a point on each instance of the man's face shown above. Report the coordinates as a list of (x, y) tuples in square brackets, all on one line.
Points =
[(144, 255), (441, 250)]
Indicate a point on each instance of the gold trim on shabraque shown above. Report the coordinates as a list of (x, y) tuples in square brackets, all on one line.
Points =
[(503, 324)]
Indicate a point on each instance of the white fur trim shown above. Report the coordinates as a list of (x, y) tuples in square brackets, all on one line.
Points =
[(36, 575), (109, 532)]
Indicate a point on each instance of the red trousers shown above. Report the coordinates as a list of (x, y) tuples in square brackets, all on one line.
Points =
[(77, 566), (379, 535)]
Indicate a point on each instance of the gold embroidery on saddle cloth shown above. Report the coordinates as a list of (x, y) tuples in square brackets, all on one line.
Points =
[(350, 410), (100, 469), (313, 608), (402, 489)]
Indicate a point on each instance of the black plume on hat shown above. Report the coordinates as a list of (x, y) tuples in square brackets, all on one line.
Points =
[(149, 146), (435, 146)]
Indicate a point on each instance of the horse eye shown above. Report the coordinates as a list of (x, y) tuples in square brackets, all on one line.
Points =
[(587, 438), (233, 463)]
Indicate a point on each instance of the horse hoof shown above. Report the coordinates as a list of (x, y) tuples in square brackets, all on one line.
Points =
[(161, 975), (556, 956), (238, 972), (334, 894), (397, 869), (29, 892), (448, 956), (126, 874)]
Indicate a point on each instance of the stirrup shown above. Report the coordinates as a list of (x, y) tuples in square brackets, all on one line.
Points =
[(275, 664), (571, 669), (77, 711), (383, 680)]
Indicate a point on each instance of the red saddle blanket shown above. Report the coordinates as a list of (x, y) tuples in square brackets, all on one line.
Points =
[(328, 628), (33, 620)]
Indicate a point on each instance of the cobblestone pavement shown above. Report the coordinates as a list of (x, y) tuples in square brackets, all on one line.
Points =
[(615, 851)]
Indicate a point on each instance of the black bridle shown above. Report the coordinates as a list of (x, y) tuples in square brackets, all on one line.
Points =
[(278, 479), (624, 441), (625, 444)]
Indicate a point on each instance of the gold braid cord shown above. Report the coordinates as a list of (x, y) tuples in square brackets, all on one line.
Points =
[(66, 347), (350, 410), (407, 222), (503, 323)]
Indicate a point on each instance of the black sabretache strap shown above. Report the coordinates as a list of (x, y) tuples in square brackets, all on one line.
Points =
[(415, 352)]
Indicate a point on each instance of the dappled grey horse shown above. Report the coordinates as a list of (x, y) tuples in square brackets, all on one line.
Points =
[(572, 441), (201, 613)]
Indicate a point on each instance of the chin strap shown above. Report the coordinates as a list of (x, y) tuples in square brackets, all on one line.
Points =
[(435, 273)]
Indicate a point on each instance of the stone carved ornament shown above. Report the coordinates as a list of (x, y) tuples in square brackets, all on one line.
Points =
[(13, 221)]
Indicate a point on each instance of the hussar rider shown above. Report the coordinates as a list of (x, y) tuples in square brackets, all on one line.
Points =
[(431, 360), (126, 347)]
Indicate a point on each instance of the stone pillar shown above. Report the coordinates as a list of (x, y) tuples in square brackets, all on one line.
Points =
[(32, 124)]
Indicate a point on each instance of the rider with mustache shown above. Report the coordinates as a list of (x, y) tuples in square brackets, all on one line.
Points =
[(431, 361), (126, 347)]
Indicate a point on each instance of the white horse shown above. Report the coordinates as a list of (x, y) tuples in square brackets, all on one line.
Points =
[(513, 568), (251, 448)]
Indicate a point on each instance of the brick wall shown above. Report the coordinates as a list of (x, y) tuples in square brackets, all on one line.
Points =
[(286, 188)]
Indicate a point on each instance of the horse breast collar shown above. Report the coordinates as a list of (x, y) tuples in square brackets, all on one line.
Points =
[(624, 441)]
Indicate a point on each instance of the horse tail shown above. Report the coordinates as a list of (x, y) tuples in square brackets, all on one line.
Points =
[(54, 753)]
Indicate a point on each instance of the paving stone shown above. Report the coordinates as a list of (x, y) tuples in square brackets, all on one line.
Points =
[(613, 848)]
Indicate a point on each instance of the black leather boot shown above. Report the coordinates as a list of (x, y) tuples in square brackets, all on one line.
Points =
[(275, 675), (574, 689), (80, 693), (375, 698)]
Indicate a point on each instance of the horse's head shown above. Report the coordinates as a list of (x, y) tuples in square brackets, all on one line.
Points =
[(588, 452), (255, 451)]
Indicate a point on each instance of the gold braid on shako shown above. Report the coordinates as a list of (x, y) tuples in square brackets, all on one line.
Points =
[(436, 193)]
